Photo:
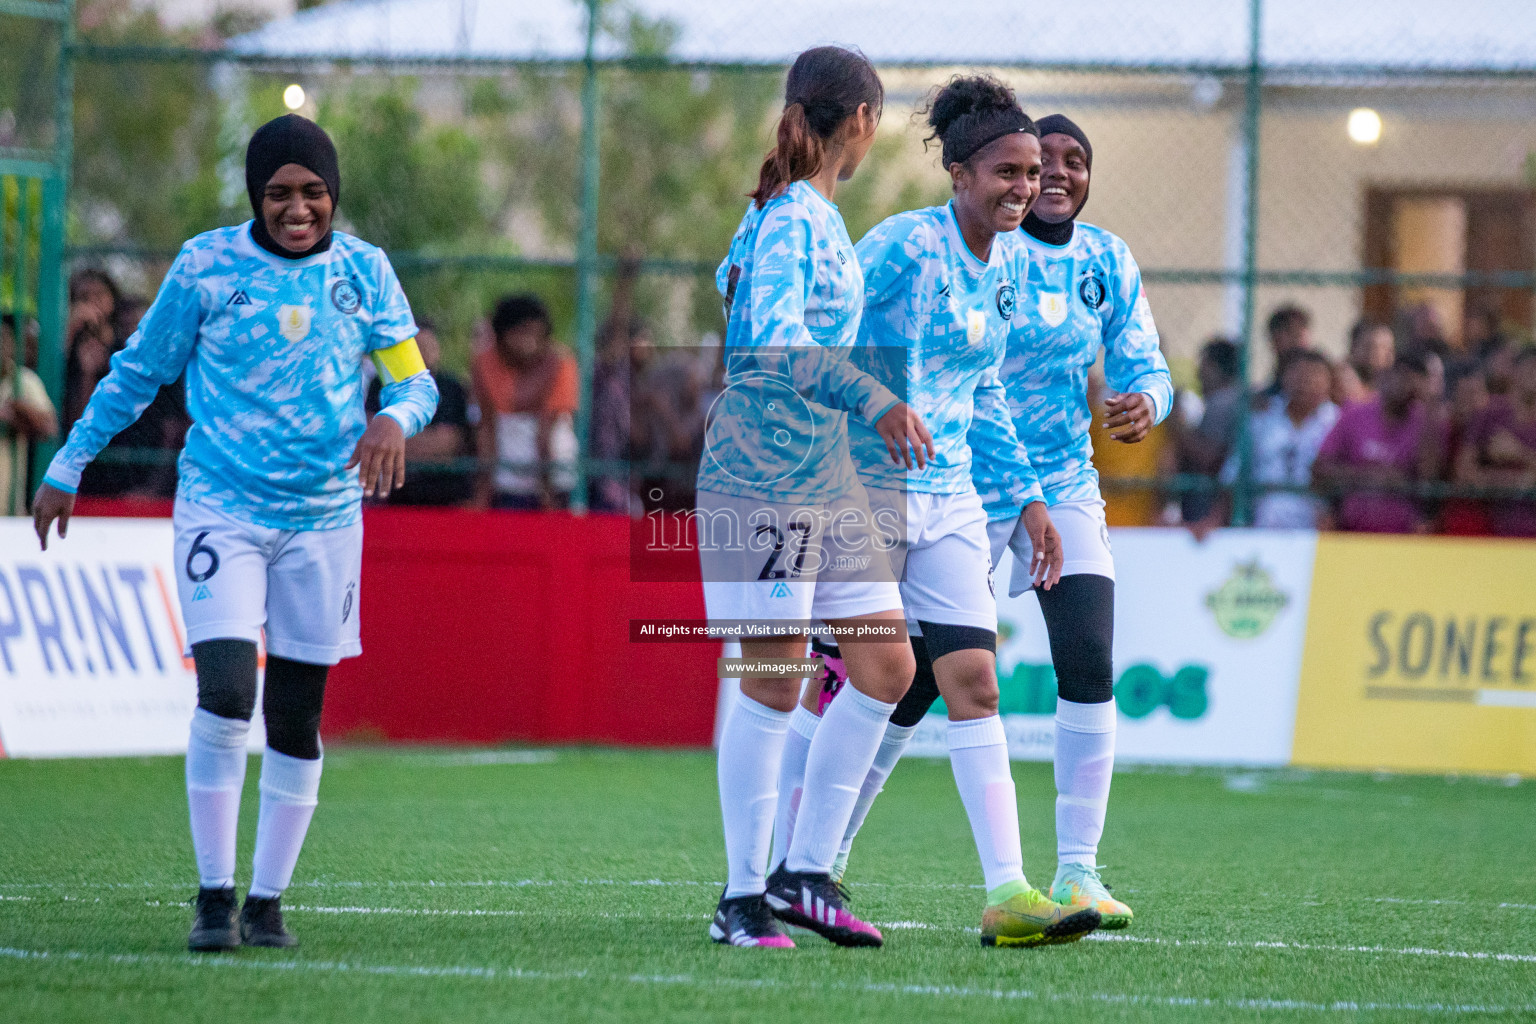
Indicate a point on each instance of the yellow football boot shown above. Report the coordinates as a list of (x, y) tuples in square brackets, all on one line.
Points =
[(1078, 885), (1030, 918)]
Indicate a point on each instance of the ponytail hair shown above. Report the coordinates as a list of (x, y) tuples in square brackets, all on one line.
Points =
[(826, 86)]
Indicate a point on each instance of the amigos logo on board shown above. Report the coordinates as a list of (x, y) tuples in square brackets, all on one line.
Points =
[(1140, 690)]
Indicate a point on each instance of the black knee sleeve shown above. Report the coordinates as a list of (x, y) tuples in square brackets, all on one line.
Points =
[(923, 691), (942, 639), (291, 702), (1080, 619), (226, 677)]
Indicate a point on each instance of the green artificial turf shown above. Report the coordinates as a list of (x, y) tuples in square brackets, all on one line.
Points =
[(577, 886)]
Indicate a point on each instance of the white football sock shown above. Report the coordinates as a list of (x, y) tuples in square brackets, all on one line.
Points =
[(978, 753), (751, 745), (1085, 760), (290, 788), (802, 726), (215, 773), (892, 744), (835, 770)]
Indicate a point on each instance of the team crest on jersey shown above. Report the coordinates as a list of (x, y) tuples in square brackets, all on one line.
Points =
[(1007, 299), (1091, 289), (293, 322), (345, 297), (1053, 307), (975, 326)]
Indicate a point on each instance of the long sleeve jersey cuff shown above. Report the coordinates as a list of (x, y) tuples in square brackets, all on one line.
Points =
[(1157, 388), (54, 481), (63, 474), (881, 401), (1028, 495), (411, 402)]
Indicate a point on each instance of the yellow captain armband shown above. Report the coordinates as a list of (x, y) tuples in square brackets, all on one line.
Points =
[(397, 362)]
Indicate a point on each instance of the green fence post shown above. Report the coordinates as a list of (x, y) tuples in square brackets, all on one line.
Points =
[(1242, 495), (586, 255), (51, 293)]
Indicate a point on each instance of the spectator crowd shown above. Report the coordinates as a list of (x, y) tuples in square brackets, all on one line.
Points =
[(504, 439), (1368, 443)]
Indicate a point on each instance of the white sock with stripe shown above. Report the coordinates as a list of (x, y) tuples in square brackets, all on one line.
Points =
[(751, 746), (797, 744), (1085, 762), (215, 775), (892, 745), (835, 770), (290, 788), (978, 754)]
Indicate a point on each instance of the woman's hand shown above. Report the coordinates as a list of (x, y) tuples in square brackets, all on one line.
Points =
[(49, 504), (380, 457), (1046, 557), (905, 435), (1130, 417)]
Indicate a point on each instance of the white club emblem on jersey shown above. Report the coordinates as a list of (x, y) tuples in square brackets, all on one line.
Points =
[(293, 322), (975, 325), (1053, 307)]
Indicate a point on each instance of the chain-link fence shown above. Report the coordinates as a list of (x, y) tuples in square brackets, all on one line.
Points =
[(1364, 161)]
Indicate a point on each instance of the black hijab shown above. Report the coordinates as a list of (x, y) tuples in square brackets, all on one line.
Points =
[(289, 139), (1059, 234)]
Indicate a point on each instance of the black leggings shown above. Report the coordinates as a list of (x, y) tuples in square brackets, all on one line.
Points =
[(1080, 621), (291, 700)]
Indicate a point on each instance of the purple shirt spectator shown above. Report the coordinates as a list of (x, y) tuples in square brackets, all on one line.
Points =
[(1365, 437), (1502, 421)]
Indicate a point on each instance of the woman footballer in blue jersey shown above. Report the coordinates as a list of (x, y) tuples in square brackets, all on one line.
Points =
[(1082, 295), (942, 286), (1085, 298), (270, 322), (776, 490)]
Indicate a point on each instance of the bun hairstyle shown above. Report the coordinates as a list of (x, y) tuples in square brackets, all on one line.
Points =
[(826, 86), (970, 111)]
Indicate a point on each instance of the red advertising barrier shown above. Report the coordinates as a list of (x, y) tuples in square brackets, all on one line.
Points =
[(492, 627)]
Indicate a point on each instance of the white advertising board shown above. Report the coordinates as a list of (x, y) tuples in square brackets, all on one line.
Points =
[(1207, 653), (91, 642)]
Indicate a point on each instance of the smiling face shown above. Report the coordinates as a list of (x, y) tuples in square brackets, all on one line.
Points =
[(296, 208), (997, 186), (1064, 178)]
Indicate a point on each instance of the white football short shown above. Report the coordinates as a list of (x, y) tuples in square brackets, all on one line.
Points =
[(772, 561), (236, 580), (1084, 542), (943, 562)]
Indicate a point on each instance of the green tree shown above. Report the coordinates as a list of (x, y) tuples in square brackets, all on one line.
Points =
[(146, 147)]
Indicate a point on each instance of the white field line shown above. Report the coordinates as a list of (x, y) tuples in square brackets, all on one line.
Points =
[(1454, 954), (539, 883), (73, 957), (473, 759), (523, 883)]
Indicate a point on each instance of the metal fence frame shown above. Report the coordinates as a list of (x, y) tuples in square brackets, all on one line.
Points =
[(53, 167)]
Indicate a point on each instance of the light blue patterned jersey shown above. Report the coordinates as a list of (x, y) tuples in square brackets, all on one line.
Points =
[(1077, 298), (793, 293), (938, 318), (273, 352)]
